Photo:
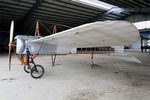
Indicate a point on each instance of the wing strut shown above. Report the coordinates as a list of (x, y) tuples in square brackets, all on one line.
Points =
[(37, 32), (53, 56)]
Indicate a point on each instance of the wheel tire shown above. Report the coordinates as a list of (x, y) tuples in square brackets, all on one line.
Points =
[(27, 69), (37, 71)]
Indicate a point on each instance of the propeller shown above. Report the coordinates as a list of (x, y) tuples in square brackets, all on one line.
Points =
[(11, 43)]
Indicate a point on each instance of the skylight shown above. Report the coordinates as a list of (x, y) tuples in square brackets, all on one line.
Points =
[(96, 3)]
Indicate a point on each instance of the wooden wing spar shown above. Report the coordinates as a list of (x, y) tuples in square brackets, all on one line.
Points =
[(101, 33)]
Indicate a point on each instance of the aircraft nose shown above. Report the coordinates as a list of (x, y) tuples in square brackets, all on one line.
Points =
[(20, 46)]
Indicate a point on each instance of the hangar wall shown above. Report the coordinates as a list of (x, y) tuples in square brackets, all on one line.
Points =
[(138, 17), (3, 42)]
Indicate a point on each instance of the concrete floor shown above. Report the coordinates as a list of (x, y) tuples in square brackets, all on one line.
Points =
[(114, 78)]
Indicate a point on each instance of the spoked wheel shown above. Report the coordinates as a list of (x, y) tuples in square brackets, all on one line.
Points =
[(27, 68), (37, 71)]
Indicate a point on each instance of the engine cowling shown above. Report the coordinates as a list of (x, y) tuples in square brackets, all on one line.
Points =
[(20, 46)]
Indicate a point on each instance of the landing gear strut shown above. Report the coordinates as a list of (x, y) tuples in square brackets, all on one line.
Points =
[(53, 57), (35, 70), (92, 60)]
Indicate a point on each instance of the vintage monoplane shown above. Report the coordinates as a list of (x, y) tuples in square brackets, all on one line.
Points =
[(96, 34)]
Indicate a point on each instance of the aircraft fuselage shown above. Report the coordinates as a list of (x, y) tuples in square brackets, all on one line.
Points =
[(23, 41)]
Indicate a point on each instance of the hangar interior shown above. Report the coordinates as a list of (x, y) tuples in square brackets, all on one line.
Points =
[(67, 14), (124, 76)]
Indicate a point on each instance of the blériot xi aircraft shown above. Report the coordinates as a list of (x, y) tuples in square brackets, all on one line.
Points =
[(96, 34)]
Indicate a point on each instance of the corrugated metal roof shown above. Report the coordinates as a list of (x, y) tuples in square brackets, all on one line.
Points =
[(66, 12), (54, 11)]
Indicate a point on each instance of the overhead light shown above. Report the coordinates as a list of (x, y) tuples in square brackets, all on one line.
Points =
[(96, 3)]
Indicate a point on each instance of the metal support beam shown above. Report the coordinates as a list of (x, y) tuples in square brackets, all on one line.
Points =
[(35, 6), (28, 14), (113, 16)]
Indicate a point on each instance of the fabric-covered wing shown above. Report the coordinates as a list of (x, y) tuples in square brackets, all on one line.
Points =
[(101, 33)]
